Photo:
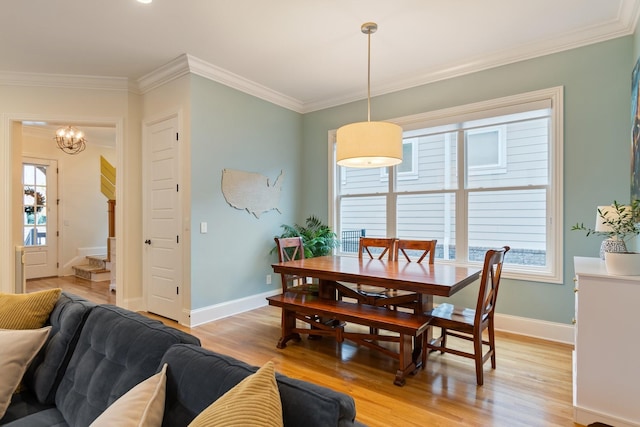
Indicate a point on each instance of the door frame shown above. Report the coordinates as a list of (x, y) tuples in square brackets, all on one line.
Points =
[(183, 220), (10, 153)]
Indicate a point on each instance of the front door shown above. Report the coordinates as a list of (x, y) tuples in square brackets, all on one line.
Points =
[(40, 217), (162, 249)]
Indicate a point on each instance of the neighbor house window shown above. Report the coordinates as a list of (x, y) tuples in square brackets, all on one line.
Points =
[(483, 175)]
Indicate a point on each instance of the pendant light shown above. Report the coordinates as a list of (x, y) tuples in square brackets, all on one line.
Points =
[(369, 144)]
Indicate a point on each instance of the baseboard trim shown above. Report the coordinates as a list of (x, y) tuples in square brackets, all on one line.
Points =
[(229, 308), (550, 331), (534, 328), (587, 416)]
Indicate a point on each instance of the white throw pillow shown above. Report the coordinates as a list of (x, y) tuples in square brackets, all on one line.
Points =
[(142, 406), (18, 347)]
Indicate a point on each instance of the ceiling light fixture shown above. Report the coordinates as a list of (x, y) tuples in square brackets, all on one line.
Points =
[(70, 140), (369, 144), (145, 1)]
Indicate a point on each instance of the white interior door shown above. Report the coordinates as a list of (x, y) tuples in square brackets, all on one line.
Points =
[(162, 214), (40, 217)]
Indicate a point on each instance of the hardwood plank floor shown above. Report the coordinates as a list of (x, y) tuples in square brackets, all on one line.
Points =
[(532, 385)]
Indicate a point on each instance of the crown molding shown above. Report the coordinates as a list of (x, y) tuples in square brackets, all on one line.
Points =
[(186, 63), (63, 81)]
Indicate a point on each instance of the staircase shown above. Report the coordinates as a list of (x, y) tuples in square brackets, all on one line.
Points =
[(96, 270)]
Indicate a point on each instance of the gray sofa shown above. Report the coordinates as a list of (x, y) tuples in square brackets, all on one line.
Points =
[(96, 353)]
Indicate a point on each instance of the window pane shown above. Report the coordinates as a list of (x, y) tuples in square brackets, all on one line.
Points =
[(28, 176), (526, 159), (428, 217), (362, 181), (362, 213), (513, 218), (41, 175), (436, 168), (483, 149)]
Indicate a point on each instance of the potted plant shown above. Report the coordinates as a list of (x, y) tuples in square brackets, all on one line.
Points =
[(617, 223), (318, 238)]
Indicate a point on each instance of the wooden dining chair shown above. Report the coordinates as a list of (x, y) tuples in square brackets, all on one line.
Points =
[(469, 324), (289, 249), (418, 251), (369, 248)]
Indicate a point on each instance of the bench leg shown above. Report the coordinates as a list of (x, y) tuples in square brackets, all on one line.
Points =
[(405, 359), (288, 323)]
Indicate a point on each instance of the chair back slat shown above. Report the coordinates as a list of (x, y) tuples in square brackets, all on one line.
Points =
[(289, 248), (415, 250), (384, 247)]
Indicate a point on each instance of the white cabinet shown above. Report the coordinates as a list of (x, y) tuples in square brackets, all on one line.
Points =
[(606, 365)]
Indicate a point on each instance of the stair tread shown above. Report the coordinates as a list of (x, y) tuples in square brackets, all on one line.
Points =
[(91, 268)]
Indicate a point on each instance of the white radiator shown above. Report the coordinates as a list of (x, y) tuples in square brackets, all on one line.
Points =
[(19, 269)]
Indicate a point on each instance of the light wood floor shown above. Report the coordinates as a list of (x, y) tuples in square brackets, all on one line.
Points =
[(532, 385)]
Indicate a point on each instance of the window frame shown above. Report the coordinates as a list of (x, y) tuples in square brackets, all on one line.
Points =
[(553, 97)]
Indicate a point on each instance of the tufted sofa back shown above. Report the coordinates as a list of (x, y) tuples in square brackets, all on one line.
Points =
[(48, 367), (117, 349)]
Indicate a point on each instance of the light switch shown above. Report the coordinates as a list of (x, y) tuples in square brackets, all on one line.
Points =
[(203, 227)]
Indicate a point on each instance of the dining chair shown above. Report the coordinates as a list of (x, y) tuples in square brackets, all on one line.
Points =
[(369, 248), (289, 249), (468, 324), (417, 251)]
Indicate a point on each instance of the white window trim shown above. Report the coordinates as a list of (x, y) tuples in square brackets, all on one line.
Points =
[(501, 106)]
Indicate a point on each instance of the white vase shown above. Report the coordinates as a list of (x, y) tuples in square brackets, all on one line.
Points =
[(622, 263)]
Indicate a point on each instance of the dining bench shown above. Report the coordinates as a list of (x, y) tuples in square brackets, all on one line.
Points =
[(315, 311)]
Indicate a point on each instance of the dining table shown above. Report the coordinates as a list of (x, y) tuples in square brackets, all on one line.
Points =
[(426, 280)]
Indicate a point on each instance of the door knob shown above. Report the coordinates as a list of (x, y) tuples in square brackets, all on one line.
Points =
[(148, 242)]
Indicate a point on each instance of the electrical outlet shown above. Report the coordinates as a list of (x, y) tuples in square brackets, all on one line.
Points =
[(268, 279)]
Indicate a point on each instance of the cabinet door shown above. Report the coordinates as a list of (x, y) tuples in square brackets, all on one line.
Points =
[(606, 351)]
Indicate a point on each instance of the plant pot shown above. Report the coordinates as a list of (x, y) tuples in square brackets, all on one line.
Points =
[(612, 245), (622, 263)]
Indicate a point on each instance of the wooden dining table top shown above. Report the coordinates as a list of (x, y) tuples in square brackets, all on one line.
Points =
[(438, 279)]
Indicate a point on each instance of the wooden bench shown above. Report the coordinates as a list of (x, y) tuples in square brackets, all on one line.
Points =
[(314, 311)]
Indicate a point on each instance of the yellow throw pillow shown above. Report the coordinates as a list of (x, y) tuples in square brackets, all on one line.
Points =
[(17, 350), (143, 405), (27, 311), (254, 401)]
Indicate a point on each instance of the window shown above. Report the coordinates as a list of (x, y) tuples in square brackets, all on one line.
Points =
[(34, 204), (482, 175), (408, 169)]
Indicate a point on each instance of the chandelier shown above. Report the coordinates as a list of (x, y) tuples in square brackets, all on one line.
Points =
[(369, 144), (70, 140)]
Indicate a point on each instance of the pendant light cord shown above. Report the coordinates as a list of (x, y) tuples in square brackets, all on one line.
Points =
[(369, 77)]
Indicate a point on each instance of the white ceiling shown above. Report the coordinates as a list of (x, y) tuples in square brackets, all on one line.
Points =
[(311, 51)]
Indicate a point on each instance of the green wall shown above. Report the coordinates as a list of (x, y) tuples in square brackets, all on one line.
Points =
[(233, 130), (596, 82)]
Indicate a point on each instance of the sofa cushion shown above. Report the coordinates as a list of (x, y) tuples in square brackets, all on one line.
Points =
[(254, 401), (48, 418), (48, 367), (143, 405), (17, 349), (27, 311), (117, 349), (197, 377)]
